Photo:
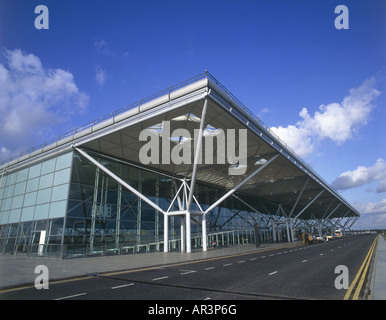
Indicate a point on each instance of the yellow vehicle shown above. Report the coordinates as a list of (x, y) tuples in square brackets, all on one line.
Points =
[(338, 234)]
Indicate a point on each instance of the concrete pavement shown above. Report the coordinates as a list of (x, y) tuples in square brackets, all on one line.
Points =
[(378, 291)]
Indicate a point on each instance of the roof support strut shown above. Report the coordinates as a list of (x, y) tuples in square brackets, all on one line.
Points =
[(230, 192), (119, 180), (311, 202)]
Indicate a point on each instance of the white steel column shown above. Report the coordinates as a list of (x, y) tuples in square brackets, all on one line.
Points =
[(197, 156), (182, 233), (288, 233), (188, 233), (166, 232), (180, 207), (273, 231), (204, 240)]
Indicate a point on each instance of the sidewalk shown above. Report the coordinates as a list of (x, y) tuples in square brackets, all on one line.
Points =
[(19, 270), (379, 271)]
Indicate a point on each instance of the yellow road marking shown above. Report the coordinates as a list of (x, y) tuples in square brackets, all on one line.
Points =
[(357, 291), (365, 266), (51, 283)]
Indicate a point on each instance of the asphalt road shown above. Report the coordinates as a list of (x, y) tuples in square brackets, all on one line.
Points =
[(306, 272)]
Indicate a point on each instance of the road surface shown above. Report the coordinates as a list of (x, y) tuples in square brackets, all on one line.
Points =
[(305, 272)]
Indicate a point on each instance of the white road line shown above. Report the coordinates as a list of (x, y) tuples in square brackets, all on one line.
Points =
[(270, 274), (160, 278), (122, 286), (187, 272), (252, 259), (322, 254), (304, 261), (210, 268), (241, 261), (228, 264), (73, 296), (271, 255), (263, 257)]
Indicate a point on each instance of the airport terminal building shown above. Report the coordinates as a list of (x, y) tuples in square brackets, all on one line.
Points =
[(186, 169)]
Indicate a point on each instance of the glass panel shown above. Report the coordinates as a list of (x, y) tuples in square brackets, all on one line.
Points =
[(8, 192), (14, 216), (19, 188), (56, 227), (11, 179), (57, 209), (27, 214), (4, 217), (17, 202), (41, 212), (6, 204), (64, 161), (44, 196), (62, 176), (22, 175), (48, 166), (4, 181), (30, 199), (41, 224), (34, 171), (59, 192), (13, 230), (32, 185), (46, 181)]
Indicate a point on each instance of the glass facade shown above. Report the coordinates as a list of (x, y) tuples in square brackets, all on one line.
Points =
[(84, 211), (32, 200)]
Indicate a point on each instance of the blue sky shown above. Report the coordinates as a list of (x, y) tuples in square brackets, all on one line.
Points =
[(321, 89)]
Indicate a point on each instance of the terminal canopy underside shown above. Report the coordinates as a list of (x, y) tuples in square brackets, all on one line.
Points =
[(264, 168)]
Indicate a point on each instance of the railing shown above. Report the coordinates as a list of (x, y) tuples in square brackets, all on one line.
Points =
[(214, 240)]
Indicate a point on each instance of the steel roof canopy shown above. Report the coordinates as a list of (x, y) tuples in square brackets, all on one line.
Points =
[(287, 181)]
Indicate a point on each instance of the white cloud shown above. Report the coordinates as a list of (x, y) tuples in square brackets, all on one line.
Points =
[(262, 112), (33, 100), (373, 215), (335, 121), (100, 76), (102, 47), (363, 175), (372, 207)]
